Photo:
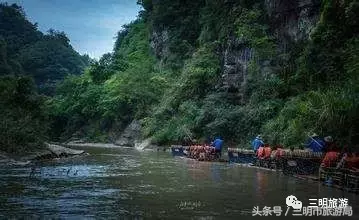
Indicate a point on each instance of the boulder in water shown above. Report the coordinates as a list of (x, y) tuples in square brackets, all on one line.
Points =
[(52, 151), (60, 151)]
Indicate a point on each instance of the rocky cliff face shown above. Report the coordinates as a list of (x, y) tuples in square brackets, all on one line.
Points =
[(290, 22), (236, 57), (159, 44), (130, 135)]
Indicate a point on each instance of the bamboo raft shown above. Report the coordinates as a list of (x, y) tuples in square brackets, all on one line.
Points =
[(178, 150), (298, 163), (197, 152), (340, 178), (240, 155)]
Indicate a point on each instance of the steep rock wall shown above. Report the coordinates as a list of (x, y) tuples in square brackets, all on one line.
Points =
[(159, 44), (290, 22)]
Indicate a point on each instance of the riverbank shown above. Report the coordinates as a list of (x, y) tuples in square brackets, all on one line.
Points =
[(85, 144), (51, 151), (139, 145)]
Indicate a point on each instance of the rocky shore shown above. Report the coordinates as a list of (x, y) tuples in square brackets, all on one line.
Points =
[(138, 144), (89, 144), (51, 151)]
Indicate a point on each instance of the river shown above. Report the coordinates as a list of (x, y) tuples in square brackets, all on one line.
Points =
[(121, 182)]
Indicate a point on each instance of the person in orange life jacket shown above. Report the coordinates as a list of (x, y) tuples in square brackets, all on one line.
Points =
[(260, 151), (280, 151), (331, 157), (267, 151), (352, 162), (277, 152)]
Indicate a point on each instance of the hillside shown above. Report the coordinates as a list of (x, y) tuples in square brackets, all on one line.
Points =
[(192, 70), (24, 50), (30, 63)]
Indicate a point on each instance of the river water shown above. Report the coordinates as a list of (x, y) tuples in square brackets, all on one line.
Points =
[(123, 183)]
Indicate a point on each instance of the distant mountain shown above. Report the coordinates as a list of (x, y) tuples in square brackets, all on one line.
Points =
[(24, 50)]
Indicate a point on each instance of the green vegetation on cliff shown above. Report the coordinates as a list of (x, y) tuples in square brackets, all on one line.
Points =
[(30, 62), (24, 50), (326, 80), (23, 121), (168, 69), (120, 87)]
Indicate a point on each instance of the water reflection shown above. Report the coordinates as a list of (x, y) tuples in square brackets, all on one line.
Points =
[(261, 184), (199, 171), (216, 172), (123, 183)]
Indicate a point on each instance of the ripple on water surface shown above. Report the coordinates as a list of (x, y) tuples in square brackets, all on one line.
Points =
[(115, 183)]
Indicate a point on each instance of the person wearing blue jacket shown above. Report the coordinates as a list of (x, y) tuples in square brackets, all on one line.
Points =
[(315, 143), (257, 142), (218, 145)]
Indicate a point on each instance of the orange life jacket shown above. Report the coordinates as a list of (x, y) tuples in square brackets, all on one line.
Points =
[(279, 153), (267, 152), (260, 152), (330, 159), (352, 162)]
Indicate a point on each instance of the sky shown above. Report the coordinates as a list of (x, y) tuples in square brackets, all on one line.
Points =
[(91, 25)]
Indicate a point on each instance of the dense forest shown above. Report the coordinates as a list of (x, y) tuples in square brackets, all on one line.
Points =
[(190, 70), (31, 63), (24, 50)]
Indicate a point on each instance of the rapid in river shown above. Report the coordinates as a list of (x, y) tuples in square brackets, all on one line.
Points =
[(123, 182)]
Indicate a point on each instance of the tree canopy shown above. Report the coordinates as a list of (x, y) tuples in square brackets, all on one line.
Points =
[(24, 50), (167, 70)]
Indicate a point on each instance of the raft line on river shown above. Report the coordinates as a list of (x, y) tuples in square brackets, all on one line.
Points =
[(302, 164)]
